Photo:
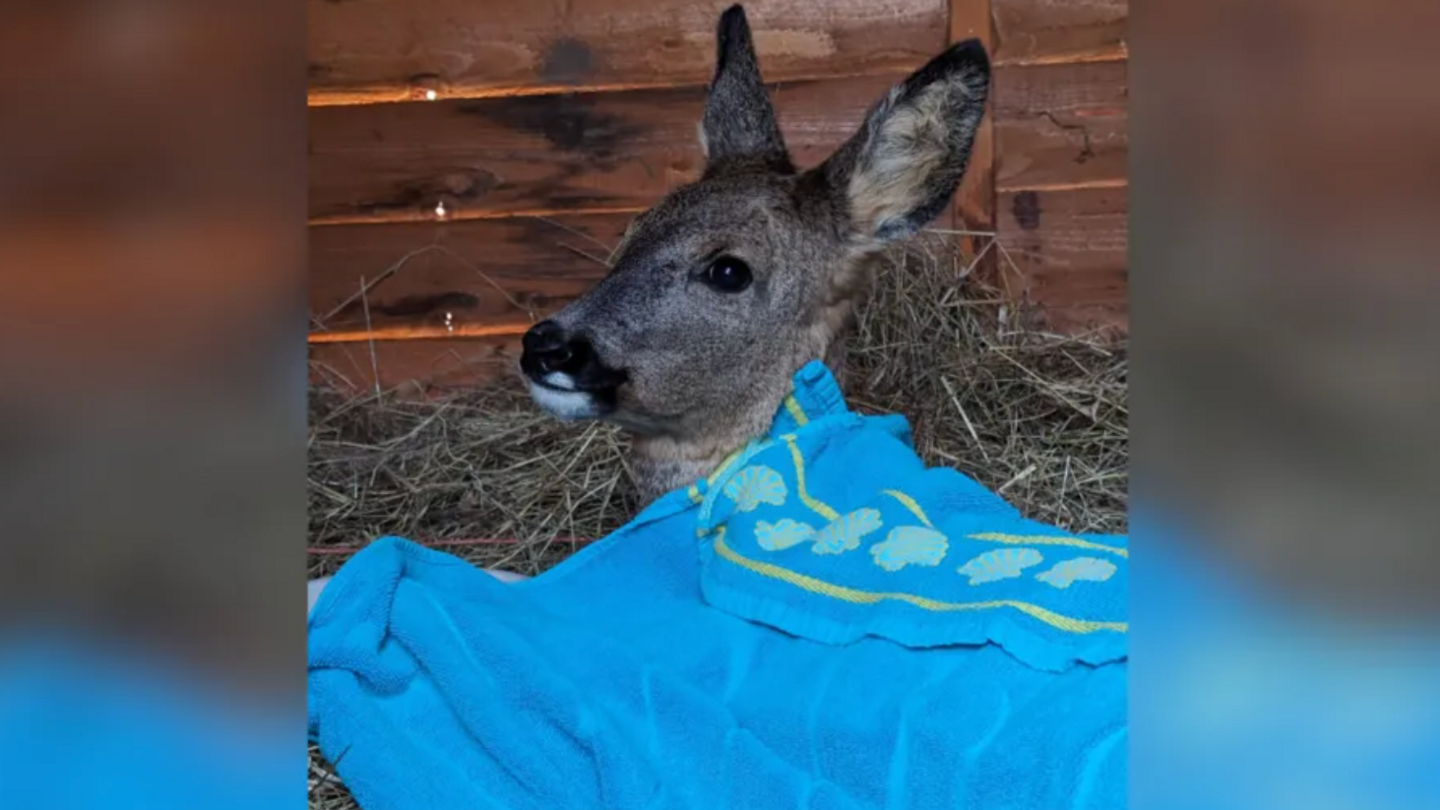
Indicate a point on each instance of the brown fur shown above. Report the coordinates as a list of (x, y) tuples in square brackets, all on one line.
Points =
[(706, 370)]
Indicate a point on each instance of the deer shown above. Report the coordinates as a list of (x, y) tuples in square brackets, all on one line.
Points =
[(724, 288)]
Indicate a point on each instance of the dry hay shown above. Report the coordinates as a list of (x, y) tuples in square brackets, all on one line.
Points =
[(1040, 418)]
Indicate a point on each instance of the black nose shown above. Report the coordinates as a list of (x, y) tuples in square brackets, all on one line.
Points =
[(548, 349)]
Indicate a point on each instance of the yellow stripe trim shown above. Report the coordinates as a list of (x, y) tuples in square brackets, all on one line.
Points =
[(822, 509), (1066, 623), (1046, 540), (910, 504), (798, 413), (724, 465)]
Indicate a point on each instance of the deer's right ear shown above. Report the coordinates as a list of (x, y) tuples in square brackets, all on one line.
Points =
[(898, 172), (739, 121)]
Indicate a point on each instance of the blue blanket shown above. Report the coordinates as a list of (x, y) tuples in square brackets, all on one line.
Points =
[(822, 623)]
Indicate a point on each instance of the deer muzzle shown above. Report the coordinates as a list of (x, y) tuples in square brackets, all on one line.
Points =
[(566, 376)]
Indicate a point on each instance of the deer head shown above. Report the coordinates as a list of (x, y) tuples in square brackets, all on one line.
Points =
[(730, 284)]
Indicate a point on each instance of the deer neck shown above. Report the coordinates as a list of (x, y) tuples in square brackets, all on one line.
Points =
[(661, 464), (659, 467)]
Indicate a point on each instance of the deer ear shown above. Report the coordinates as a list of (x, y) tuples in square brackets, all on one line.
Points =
[(739, 121), (898, 172)]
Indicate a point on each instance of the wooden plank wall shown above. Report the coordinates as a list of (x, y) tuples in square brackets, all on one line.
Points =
[(472, 164)]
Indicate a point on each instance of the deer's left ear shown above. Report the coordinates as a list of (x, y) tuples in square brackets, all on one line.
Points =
[(898, 172), (739, 121)]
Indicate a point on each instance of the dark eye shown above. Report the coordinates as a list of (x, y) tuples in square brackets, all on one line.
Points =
[(728, 274)]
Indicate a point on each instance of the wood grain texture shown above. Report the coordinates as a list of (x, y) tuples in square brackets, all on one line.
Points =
[(603, 152), (1046, 32), (974, 202), (394, 50), (453, 278), (416, 367), (1069, 249), (1060, 126)]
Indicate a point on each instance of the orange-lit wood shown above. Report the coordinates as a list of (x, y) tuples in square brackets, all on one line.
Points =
[(552, 126), (1061, 126), (394, 50), (1069, 253), (423, 332), (501, 157), (1046, 32), (974, 206)]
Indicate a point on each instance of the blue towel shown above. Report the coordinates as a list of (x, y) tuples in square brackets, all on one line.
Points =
[(86, 724), (822, 623)]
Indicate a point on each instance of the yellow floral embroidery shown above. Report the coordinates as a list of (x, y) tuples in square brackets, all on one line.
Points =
[(845, 534), (1066, 623), (1005, 563), (1080, 569), (910, 545), (753, 486), (782, 534)]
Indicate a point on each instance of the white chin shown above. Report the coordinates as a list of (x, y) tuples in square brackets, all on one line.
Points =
[(564, 404)]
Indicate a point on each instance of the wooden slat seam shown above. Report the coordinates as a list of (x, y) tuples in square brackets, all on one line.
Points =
[(359, 97), (1119, 182), (462, 215), (473, 330), (1121, 54)]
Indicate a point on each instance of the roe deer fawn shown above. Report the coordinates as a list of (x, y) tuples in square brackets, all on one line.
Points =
[(730, 284)]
